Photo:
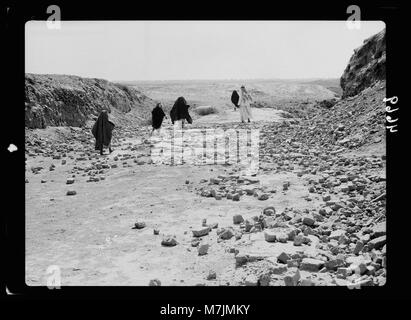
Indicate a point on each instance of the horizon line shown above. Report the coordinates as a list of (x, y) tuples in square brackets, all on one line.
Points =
[(193, 79)]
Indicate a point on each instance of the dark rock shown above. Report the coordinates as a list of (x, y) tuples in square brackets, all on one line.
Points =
[(283, 257), (269, 211), (237, 219), (378, 230), (203, 249), (377, 243), (201, 232), (270, 236), (154, 283), (139, 225), (169, 241), (227, 234), (310, 264), (308, 220), (212, 275)]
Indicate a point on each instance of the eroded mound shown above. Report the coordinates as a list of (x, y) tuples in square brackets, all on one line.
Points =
[(62, 100)]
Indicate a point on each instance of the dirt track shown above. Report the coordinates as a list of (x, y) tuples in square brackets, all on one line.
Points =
[(89, 235)]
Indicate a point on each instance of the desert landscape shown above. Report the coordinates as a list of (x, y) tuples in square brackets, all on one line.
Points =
[(312, 215)]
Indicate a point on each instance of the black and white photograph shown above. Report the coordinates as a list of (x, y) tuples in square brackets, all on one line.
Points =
[(198, 153), (205, 152)]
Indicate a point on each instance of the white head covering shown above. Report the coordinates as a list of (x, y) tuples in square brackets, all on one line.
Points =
[(245, 94)]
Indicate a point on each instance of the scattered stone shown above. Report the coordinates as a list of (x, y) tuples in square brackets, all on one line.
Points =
[(371, 270), (264, 279), (270, 236), (308, 220), (214, 225), (139, 225), (154, 283), (203, 249), (326, 211), (282, 237), (298, 240), (363, 283), (334, 264), (358, 269), (263, 196), (335, 235), (233, 250), (293, 278), (201, 232), (341, 282), (378, 230), (227, 234), (247, 226), (343, 272), (237, 219), (291, 233), (306, 283), (251, 280), (358, 247), (240, 259), (310, 264), (326, 197), (377, 243), (215, 181), (212, 275), (283, 257), (293, 263), (169, 241), (269, 211), (278, 269)]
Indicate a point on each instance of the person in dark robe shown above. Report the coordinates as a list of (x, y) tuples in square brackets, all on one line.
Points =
[(235, 98), (157, 116), (102, 132), (179, 112)]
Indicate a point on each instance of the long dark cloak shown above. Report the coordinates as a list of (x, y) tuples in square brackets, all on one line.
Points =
[(180, 111), (235, 98), (157, 116), (102, 131)]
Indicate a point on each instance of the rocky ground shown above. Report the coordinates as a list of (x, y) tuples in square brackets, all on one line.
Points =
[(313, 214)]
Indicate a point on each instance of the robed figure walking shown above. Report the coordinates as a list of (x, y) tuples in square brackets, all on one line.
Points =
[(157, 116), (179, 112), (102, 132)]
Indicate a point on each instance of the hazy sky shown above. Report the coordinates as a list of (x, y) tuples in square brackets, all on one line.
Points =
[(166, 50)]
